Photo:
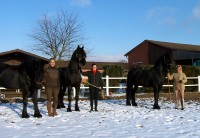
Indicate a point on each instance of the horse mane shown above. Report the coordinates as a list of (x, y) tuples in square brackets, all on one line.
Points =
[(28, 62), (29, 65), (74, 63), (158, 65)]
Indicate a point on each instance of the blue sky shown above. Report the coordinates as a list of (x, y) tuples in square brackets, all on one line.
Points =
[(113, 27)]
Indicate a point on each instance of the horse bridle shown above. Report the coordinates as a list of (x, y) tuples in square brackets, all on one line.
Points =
[(80, 58)]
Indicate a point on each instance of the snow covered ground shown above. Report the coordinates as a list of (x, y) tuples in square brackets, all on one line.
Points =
[(114, 119)]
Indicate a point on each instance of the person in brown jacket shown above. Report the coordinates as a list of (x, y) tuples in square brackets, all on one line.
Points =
[(52, 84), (179, 79)]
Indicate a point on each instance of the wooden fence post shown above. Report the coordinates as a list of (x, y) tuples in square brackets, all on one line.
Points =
[(38, 93), (198, 83), (74, 91), (107, 85)]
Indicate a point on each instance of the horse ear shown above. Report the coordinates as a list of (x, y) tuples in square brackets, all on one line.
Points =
[(78, 46), (83, 47)]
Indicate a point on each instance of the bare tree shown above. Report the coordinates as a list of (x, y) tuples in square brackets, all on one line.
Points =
[(123, 61), (58, 36)]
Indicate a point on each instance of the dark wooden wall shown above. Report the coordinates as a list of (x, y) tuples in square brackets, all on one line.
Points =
[(13, 58), (139, 55), (147, 53)]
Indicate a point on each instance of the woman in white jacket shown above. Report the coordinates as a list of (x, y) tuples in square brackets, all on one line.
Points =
[(179, 79)]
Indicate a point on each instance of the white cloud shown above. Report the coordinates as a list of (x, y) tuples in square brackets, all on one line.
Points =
[(196, 12), (159, 12), (168, 21), (162, 15), (82, 3)]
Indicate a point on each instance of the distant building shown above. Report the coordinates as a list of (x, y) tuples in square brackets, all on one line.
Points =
[(148, 51)]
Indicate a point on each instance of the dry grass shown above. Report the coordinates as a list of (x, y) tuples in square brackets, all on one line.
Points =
[(194, 96)]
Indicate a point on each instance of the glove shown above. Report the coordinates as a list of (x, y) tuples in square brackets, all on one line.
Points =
[(180, 81)]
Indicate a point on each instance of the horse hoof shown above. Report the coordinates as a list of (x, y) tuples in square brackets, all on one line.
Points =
[(69, 110), (38, 115), (128, 104), (25, 116), (134, 104), (60, 106), (77, 109), (156, 107)]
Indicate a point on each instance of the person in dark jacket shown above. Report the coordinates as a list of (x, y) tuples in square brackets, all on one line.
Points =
[(95, 83), (52, 84)]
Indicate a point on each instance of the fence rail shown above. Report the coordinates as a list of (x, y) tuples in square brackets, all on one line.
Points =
[(107, 87)]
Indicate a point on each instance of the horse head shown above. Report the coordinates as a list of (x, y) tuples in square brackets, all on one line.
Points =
[(167, 62), (81, 55)]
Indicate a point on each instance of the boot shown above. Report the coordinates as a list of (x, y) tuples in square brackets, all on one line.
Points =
[(176, 104), (96, 105), (182, 104), (91, 105), (54, 109), (96, 109), (49, 108)]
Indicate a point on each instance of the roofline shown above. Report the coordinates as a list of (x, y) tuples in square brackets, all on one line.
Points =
[(24, 52), (134, 48), (155, 42), (149, 40)]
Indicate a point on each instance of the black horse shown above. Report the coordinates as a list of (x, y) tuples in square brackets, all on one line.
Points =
[(147, 78), (28, 77), (70, 77)]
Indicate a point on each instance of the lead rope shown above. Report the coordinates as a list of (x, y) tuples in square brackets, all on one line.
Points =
[(93, 85), (90, 83)]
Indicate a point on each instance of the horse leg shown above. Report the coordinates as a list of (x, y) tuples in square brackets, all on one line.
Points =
[(25, 102), (60, 98), (69, 99), (128, 95), (77, 98), (156, 96), (133, 91), (36, 110)]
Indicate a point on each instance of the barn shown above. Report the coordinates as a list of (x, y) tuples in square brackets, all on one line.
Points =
[(17, 56), (148, 51), (14, 58)]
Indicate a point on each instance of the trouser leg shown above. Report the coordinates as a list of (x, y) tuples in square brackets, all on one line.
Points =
[(176, 98), (182, 99), (96, 99), (55, 100), (91, 99), (49, 99)]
